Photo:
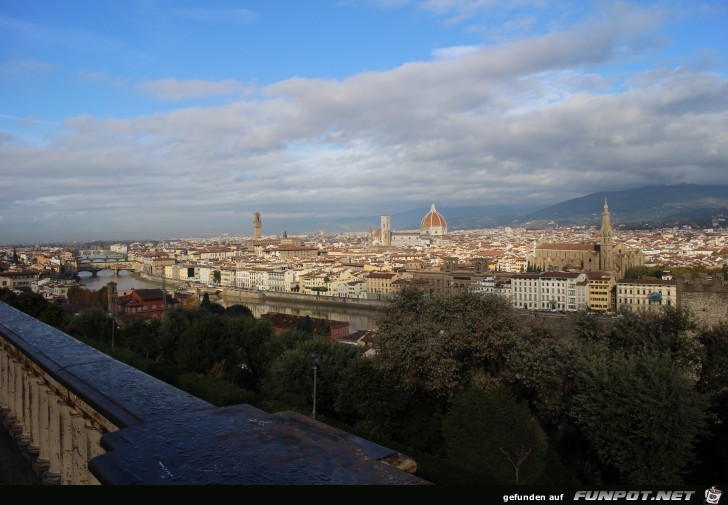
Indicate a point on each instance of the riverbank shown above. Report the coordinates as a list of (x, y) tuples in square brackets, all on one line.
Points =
[(157, 281), (312, 300)]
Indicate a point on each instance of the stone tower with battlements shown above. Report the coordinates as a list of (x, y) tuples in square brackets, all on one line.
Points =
[(257, 226)]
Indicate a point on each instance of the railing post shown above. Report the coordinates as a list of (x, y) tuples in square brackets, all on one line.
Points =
[(34, 427), (42, 462), (55, 450), (27, 412), (79, 473), (66, 443), (4, 383), (17, 406), (93, 435)]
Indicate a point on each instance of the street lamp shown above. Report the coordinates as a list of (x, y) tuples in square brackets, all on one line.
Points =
[(113, 327), (315, 357)]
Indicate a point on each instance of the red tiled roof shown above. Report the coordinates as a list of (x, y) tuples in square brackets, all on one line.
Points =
[(568, 247)]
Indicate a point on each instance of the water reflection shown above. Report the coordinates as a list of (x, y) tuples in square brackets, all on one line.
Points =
[(359, 319)]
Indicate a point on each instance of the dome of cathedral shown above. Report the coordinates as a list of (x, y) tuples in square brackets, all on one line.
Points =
[(433, 223)]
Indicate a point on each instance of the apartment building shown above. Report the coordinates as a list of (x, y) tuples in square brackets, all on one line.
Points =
[(646, 295), (559, 291)]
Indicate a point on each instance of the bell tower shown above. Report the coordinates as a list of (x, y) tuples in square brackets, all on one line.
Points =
[(257, 226), (606, 242), (386, 231)]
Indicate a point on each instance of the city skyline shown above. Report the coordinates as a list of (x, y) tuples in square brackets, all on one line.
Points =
[(170, 119)]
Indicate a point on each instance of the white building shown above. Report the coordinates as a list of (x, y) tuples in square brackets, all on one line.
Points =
[(563, 291), (493, 286), (646, 296)]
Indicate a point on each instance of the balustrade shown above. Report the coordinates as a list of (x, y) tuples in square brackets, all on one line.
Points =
[(83, 417)]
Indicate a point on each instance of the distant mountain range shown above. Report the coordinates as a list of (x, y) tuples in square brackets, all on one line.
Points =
[(649, 206)]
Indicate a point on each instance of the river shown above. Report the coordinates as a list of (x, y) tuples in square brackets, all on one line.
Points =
[(358, 318)]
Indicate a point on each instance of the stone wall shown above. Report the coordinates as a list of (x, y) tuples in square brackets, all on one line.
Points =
[(707, 307)]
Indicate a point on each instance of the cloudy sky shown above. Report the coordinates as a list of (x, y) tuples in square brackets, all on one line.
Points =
[(180, 118)]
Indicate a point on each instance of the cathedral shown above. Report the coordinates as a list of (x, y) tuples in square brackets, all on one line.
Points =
[(604, 256), (433, 231)]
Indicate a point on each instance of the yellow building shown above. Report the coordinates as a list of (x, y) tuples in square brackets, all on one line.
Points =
[(600, 291), (380, 286)]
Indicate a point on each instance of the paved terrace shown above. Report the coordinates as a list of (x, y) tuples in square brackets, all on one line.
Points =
[(82, 417)]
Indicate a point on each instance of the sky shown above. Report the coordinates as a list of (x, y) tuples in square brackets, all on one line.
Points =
[(156, 119)]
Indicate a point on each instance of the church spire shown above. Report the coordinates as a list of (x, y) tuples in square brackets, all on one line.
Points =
[(607, 241), (606, 224)]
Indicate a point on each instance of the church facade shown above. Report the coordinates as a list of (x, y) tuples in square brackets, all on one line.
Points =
[(604, 256)]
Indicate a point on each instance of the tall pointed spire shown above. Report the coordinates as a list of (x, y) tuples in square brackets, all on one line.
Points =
[(606, 260)]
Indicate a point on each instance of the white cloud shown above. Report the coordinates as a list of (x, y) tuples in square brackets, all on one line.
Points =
[(174, 89), (534, 120), (26, 68)]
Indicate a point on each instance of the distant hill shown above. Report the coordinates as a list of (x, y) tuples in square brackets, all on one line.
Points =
[(658, 205), (674, 205)]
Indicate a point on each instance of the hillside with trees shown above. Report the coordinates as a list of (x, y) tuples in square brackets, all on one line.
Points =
[(473, 392)]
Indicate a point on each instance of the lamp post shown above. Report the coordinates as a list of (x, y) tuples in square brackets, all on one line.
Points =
[(315, 358), (113, 327)]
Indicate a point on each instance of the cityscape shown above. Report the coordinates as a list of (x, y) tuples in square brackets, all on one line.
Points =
[(376, 264), (422, 243)]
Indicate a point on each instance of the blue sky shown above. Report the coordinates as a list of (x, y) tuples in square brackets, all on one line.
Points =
[(177, 118)]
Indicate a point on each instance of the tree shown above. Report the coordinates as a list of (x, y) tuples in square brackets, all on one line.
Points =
[(369, 400), (713, 447), (203, 345), (216, 276), (290, 378), (249, 338), (641, 414), (239, 310), (491, 432), (442, 344), (587, 326), (140, 335), (538, 369), (91, 323)]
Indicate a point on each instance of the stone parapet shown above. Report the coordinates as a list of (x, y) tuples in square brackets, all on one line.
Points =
[(83, 417)]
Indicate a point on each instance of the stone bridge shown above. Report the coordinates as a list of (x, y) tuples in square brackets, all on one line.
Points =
[(82, 417), (96, 266)]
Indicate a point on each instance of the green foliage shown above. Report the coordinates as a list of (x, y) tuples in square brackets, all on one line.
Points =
[(35, 305), (307, 325), (714, 352), (369, 400), (671, 330), (290, 377), (641, 414), (442, 344), (91, 323), (713, 447), (239, 310), (218, 392), (588, 326), (164, 371), (140, 335), (493, 433), (539, 368), (8, 296), (203, 344)]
